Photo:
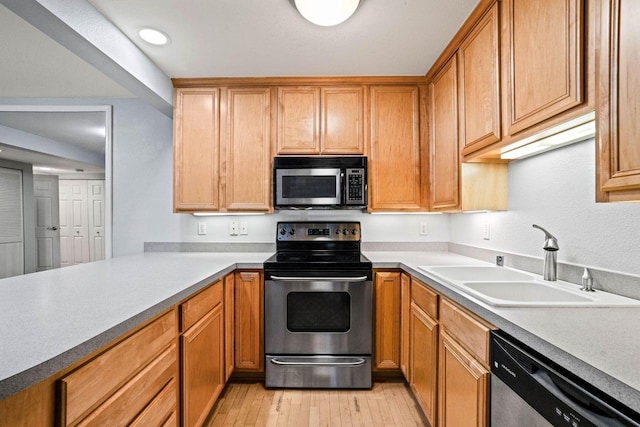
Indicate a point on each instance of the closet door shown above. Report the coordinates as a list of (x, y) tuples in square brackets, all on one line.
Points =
[(74, 222), (11, 224)]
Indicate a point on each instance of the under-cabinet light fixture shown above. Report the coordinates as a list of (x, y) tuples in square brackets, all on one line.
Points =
[(227, 213), (572, 131), (326, 13)]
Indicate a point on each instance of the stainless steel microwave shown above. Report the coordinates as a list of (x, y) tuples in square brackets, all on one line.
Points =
[(320, 182)]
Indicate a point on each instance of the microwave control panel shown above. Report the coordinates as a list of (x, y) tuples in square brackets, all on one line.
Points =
[(356, 188)]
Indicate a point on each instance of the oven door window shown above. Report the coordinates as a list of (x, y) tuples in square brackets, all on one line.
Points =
[(318, 311)]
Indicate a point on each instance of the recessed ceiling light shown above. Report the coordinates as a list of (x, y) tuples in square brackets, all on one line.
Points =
[(153, 36)]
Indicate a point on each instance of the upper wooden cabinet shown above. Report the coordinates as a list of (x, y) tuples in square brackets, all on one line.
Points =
[(320, 120), (543, 60), (222, 149), (479, 84), (445, 159), (246, 169), (298, 120), (618, 157), (342, 120), (196, 150), (395, 157), (456, 186)]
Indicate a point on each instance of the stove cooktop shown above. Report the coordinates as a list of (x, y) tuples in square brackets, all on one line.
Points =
[(317, 259)]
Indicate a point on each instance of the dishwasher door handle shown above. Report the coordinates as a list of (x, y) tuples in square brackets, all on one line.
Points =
[(316, 279)]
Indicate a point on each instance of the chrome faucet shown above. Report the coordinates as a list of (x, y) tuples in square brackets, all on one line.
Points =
[(550, 270)]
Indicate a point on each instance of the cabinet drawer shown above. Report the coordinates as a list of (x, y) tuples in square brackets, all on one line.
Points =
[(86, 387), (468, 330), (196, 307), (424, 298), (161, 410), (139, 393)]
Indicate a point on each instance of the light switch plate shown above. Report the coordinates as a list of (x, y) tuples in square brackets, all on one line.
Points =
[(202, 228), (244, 228), (486, 232)]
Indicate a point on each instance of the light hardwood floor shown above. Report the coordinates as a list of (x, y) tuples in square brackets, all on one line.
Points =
[(250, 404)]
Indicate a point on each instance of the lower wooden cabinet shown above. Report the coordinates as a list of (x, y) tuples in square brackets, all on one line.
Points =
[(386, 352), (202, 366), (405, 325), (464, 386), (424, 361), (125, 380), (249, 325), (229, 325)]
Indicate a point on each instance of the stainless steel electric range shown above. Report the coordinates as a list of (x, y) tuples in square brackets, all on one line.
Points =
[(318, 307)]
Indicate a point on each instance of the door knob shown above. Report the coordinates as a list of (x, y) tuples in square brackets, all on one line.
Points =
[(53, 228)]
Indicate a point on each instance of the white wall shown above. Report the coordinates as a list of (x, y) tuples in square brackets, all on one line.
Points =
[(557, 191)]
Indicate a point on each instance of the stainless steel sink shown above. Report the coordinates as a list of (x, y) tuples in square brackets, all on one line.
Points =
[(505, 287)]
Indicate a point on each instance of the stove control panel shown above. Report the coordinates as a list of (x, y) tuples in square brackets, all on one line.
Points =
[(318, 231)]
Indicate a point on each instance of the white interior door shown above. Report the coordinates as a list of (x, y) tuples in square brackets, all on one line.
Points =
[(95, 189), (11, 223), (45, 189), (74, 226)]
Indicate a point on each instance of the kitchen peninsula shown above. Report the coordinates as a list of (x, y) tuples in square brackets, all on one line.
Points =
[(61, 319)]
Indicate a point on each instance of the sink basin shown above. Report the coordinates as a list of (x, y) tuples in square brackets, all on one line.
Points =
[(505, 287), (532, 293), (477, 273)]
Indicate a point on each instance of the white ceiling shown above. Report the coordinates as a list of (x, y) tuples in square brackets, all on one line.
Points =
[(234, 38), (82, 129), (35, 66), (54, 165)]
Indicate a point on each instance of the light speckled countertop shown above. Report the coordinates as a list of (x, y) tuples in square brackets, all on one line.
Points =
[(52, 319)]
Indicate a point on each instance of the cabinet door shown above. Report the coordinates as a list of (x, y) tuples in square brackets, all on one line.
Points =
[(544, 69), (394, 163), (246, 171), (202, 367), (298, 120), (618, 159), (196, 150), (405, 321), (479, 84), (424, 361), (464, 386), (342, 125), (445, 158), (229, 325), (249, 324), (387, 320)]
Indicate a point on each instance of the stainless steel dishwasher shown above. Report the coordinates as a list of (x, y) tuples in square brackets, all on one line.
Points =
[(529, 390)]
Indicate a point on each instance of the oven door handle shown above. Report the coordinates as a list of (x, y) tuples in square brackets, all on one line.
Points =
[(324, 279), (357, 362)]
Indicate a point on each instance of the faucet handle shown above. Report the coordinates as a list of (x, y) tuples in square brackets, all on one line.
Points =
[(551, 243)]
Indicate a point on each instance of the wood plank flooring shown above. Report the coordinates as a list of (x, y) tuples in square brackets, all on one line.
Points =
[(387, 404)]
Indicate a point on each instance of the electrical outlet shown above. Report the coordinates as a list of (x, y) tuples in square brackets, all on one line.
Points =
[(202, 228), (486, 232), (244, 228), (424, 229), (233, 228)]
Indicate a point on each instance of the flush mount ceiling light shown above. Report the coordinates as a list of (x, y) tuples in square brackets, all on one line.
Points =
[(326, 13), (153, 36)]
